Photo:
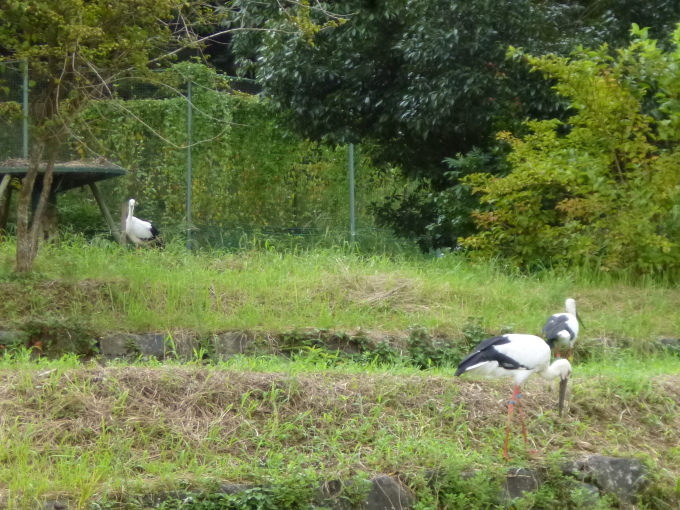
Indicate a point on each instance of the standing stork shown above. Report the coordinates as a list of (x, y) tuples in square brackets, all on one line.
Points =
[(561, 329), (140, 231), (518, 356)]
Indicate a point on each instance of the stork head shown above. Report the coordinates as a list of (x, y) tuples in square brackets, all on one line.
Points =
[(570, 305), (132, 202)]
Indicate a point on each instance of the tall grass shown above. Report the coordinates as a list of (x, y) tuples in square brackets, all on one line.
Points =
[(114, 288)]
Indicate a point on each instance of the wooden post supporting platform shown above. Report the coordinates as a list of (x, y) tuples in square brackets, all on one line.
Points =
[(4, 184), (4, 205), (105, 211), (123, 222)]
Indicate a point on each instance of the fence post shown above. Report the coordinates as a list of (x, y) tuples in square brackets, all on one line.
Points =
[(189, 141), (352, 219), (24, 65)]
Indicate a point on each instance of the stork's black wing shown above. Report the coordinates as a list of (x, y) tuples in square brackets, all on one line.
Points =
[(555, 324), (485, 352)]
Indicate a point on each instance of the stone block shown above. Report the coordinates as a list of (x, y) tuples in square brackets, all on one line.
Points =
[(388, 493), (229, 344), (520, 481), (118, 345), (153, 344), (621, 477), (9, 337)]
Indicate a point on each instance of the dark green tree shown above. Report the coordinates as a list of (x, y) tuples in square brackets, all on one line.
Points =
[(426, 80)]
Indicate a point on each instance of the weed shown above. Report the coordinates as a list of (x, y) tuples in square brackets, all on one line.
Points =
[(473, 331), (55, 335), (427, 352), (292, 495), (383, 353)]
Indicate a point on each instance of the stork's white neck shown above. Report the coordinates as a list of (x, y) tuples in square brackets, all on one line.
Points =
[(570, 305), (560, 368), (131, 208)]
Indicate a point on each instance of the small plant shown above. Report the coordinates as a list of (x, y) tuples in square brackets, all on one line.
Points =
[(204, 352), (132, 347), (290, 496), (169, 346), (383, 353), (473, 331), (426, 351)]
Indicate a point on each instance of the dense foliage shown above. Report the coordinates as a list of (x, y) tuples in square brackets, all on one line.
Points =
[(604, 187), (428, 80)]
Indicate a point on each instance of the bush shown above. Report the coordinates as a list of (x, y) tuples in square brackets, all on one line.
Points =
[(602, 188)]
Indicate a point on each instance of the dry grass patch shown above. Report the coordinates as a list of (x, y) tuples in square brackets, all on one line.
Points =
[(131, 429), (380, 291), (242, 413)]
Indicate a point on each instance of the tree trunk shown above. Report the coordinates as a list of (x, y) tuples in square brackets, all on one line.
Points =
[(27, 236), (50, 222)]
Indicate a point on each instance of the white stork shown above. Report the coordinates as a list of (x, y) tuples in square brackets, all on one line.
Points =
[(140, 231), (518, 356), (561, 329)]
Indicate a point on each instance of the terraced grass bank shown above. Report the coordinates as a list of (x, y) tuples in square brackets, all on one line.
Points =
[(102, 435), (105, 288), (110, 434)]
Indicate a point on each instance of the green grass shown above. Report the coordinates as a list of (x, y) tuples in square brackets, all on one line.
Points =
[(109, 288), (85, 431), (122, 430)]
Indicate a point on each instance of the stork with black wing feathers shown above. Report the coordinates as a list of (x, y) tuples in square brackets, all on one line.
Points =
[(519, 356), (561, 329), (139, 231)]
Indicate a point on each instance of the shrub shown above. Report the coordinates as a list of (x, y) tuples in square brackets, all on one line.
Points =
[(602, 188)]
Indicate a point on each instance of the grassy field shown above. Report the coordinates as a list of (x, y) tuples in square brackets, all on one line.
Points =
[(92, 432), (89, 432), (114, 289)]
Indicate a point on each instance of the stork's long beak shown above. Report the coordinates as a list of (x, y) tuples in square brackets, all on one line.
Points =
[(563, 392), (578, 318)]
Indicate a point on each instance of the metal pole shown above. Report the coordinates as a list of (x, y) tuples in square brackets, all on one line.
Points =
[(189, 119), (352, 219), (25, 119)]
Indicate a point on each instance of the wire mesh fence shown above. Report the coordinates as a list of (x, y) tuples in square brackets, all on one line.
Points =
[(12, 133), (251, 179)]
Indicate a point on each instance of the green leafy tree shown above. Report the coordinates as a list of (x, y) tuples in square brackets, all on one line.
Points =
[(604, 186), (248, 170), (76, 50), (426, 80)]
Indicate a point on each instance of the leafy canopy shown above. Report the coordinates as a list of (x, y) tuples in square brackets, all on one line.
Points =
[(425, 80), (603, 187), (74, 48)]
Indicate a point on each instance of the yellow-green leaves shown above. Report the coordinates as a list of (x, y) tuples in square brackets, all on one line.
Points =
[(601, 188)]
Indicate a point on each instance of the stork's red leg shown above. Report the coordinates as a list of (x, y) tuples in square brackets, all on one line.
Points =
[(511, 407), (557, 352), (521, 417)]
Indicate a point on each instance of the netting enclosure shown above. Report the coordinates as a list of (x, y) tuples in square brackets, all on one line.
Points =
[(208, 158)]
